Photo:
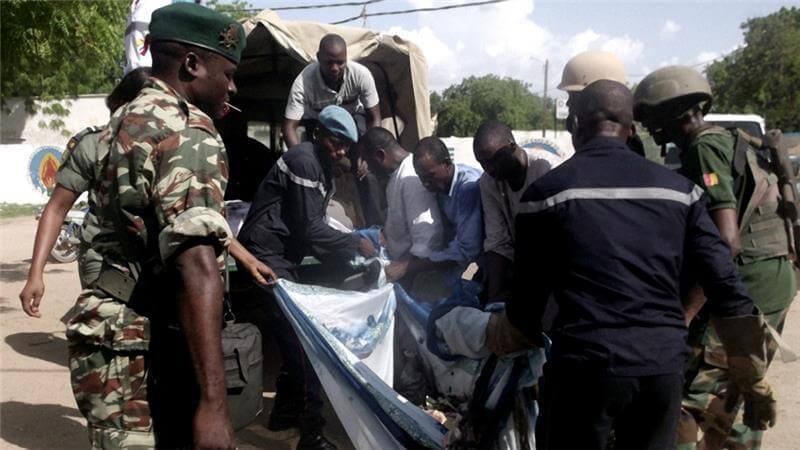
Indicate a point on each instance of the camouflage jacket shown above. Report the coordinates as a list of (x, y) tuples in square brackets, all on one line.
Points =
[(163, 183)]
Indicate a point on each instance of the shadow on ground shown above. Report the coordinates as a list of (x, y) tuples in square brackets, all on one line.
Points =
[(18, 271), (6, 306), (42, 426), (256, 435), (45, 346)]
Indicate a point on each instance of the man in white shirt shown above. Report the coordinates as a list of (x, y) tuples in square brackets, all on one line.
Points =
[(413, 225), (137, 50), (508, 171)]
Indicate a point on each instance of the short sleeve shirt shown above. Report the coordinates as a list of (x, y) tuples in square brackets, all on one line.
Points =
[(708, 162), (80, 172), (171, 169), (165, 178), (309, 93)]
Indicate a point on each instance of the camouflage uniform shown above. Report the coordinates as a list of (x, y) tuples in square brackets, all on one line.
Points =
[(80, 171), (769, 281), (164, 182)]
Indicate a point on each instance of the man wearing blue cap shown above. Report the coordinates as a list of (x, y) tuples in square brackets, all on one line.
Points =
[(286, 223)]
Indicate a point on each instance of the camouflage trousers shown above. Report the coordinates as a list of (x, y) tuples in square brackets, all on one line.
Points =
[(703, 405), (110, 388)]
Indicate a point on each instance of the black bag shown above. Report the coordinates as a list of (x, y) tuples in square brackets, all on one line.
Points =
[(244, 370)]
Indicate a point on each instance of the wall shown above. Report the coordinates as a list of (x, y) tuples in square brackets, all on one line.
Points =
[(559, 141), (22, 143)]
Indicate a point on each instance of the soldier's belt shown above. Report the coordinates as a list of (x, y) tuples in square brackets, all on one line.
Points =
[(116, 283)]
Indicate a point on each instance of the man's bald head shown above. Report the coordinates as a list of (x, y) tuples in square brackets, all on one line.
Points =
[(381, 151), (603, 108), (490, 134), (332, 59), (332, 43), (495, 150)]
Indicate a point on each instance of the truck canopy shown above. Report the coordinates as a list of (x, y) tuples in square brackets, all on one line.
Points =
[(277, 50)]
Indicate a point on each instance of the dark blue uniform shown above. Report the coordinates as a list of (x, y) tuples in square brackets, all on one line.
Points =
[(286, 222), (610, 234)]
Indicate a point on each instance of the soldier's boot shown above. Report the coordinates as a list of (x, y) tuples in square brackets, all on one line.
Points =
[(745, 339)]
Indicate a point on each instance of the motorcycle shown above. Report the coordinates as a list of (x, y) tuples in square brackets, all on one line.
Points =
[(65, 250)]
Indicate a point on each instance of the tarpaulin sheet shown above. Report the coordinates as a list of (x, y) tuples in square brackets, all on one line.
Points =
[(348, 339)]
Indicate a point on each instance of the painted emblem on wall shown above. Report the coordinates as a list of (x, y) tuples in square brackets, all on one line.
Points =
[(542, 144), (43, 167)]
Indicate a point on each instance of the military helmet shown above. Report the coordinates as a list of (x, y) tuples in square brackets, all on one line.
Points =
[(587, 67), (670, 92)]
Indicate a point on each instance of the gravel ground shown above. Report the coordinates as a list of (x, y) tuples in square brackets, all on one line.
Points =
[(37, 409)]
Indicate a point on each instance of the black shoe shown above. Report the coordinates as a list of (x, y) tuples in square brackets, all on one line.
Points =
[(314, 441), (281, 421)]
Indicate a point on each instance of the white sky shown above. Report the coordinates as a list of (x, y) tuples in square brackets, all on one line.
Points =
[(515, 37)]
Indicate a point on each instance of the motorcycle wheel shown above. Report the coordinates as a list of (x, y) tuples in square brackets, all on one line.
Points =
[(64, 250)]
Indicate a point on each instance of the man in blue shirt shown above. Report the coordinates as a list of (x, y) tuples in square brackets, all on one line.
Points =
[(459, 199), (609, 234)]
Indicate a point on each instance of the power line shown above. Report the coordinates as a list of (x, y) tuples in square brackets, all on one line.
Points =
[(409, 11), (318, 6)]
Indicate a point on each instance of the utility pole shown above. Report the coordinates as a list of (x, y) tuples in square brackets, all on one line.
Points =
[(544, 98), (364, 16)]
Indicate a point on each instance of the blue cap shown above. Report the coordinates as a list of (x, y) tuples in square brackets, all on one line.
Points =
[(339, 122)]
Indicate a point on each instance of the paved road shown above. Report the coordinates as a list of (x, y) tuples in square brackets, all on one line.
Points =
[(37, 409)]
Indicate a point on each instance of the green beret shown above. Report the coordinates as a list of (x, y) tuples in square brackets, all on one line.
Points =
[(193, 24)]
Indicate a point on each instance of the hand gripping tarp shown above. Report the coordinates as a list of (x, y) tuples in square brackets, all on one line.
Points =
[(349, 354)]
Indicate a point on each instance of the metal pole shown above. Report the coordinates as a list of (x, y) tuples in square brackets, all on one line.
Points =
[(555, 122), (544, 98)]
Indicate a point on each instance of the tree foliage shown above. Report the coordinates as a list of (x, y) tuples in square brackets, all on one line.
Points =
[(463, 107), (763, 77), (236, 9), (57, 49)]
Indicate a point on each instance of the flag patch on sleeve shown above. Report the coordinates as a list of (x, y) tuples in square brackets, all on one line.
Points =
[(710, 179)]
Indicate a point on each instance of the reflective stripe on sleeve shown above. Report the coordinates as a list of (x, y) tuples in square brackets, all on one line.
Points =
[(300, 180), (646, 193)]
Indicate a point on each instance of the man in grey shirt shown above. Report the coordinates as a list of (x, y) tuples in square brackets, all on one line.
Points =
[(332, 80), (508, 170)]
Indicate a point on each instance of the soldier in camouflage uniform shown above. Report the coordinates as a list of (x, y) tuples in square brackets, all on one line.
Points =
[(161, 229), (744, 203), (79, 172)]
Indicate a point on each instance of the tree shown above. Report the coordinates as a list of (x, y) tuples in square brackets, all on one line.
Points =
[(236, 9), (58, 49), (463, 107), (763, 76)]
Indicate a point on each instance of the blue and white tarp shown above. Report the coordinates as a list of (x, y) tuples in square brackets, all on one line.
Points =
[(348, 337)]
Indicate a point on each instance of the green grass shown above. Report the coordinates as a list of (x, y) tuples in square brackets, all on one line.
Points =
[(9, 210)]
